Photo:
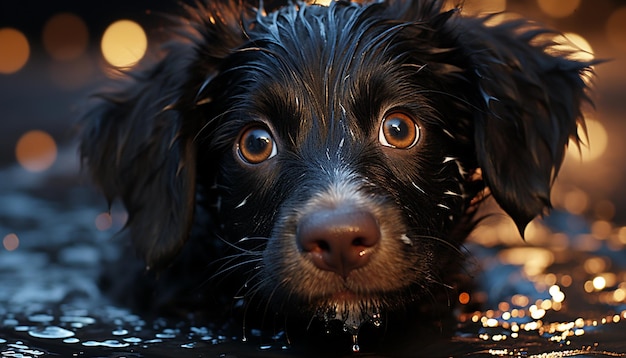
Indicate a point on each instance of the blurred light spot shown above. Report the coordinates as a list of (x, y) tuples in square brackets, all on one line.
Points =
[(621, 235), (464, 298), (475, 7), (594, 145), (104, 221), (124, 43), (546, 305), (601, 229), (550, 279), (536, 313), (594, 265), (616, 29), (579, 322), (579, 332), (531, 326), (36, 151), (491, 322), (65, 36), (14, 50), (566, 280), (504, 306), (616, 318), (557, 294), (575, 45), (558, 8), (533, 259), (599, 283), (322, 2), (576, 201), (519, 301), (619, 295), (11, 242)]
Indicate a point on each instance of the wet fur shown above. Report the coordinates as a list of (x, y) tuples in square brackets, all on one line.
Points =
[(496, 106)]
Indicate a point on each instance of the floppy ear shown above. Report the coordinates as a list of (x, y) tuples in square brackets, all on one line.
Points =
[(528, 103), (138, 139)]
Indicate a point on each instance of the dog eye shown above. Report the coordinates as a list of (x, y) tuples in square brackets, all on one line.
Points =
[(256, 145), (398, 130)]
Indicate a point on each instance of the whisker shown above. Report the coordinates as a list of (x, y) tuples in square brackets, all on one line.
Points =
[(442, 241)]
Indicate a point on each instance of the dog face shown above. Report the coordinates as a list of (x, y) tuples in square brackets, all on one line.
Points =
[(349, 143)]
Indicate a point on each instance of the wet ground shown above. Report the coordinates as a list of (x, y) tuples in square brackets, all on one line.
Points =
[(560, 293)]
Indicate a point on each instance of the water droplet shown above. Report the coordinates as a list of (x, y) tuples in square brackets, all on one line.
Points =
[(154, 341), (188, 345), (165, 335), (119, 332), (132, 340), (10, 322), (41, 318), (355, 345), (71, 340), (77, 319), (111, 343), (50, 332)]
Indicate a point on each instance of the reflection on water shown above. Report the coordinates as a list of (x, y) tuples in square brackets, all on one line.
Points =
[(560, 293)]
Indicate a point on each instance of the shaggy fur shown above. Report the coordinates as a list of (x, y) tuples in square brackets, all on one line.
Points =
[(256, 130)]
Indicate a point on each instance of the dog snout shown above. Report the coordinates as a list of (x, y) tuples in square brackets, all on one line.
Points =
[(338, 240)]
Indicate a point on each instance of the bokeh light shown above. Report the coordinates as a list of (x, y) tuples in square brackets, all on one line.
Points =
[(558, 8), (464, 298), (14, 50), (11, 242), (475, 7), (124, 43), (573, 42), (36, 151), (104, 221), (65, 36), (616, 29), (594, 143)]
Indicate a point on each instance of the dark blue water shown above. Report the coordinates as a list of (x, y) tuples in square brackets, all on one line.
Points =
[(560, 294)]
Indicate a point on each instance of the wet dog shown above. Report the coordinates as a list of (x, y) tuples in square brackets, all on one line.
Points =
[(327, 161)]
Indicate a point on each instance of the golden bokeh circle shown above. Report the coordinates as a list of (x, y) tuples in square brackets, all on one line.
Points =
[(558, 8), (124, 43), (36, 151), (65, 36), (14, 50)]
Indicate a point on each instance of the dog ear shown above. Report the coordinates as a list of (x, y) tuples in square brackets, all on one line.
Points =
[(528, 100), (138, 139)]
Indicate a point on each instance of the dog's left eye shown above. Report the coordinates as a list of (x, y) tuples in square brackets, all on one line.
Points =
[(256, 145), (398, 130)]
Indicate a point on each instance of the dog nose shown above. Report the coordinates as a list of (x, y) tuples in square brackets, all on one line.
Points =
[(339, 240)]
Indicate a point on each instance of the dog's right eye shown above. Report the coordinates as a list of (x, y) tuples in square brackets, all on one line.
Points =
[(256, 145), (398, 130)]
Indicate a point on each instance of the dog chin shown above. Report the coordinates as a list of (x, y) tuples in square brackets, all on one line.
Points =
[(352, 311)]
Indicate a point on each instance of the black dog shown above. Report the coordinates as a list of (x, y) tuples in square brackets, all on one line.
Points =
[(329, 159)]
